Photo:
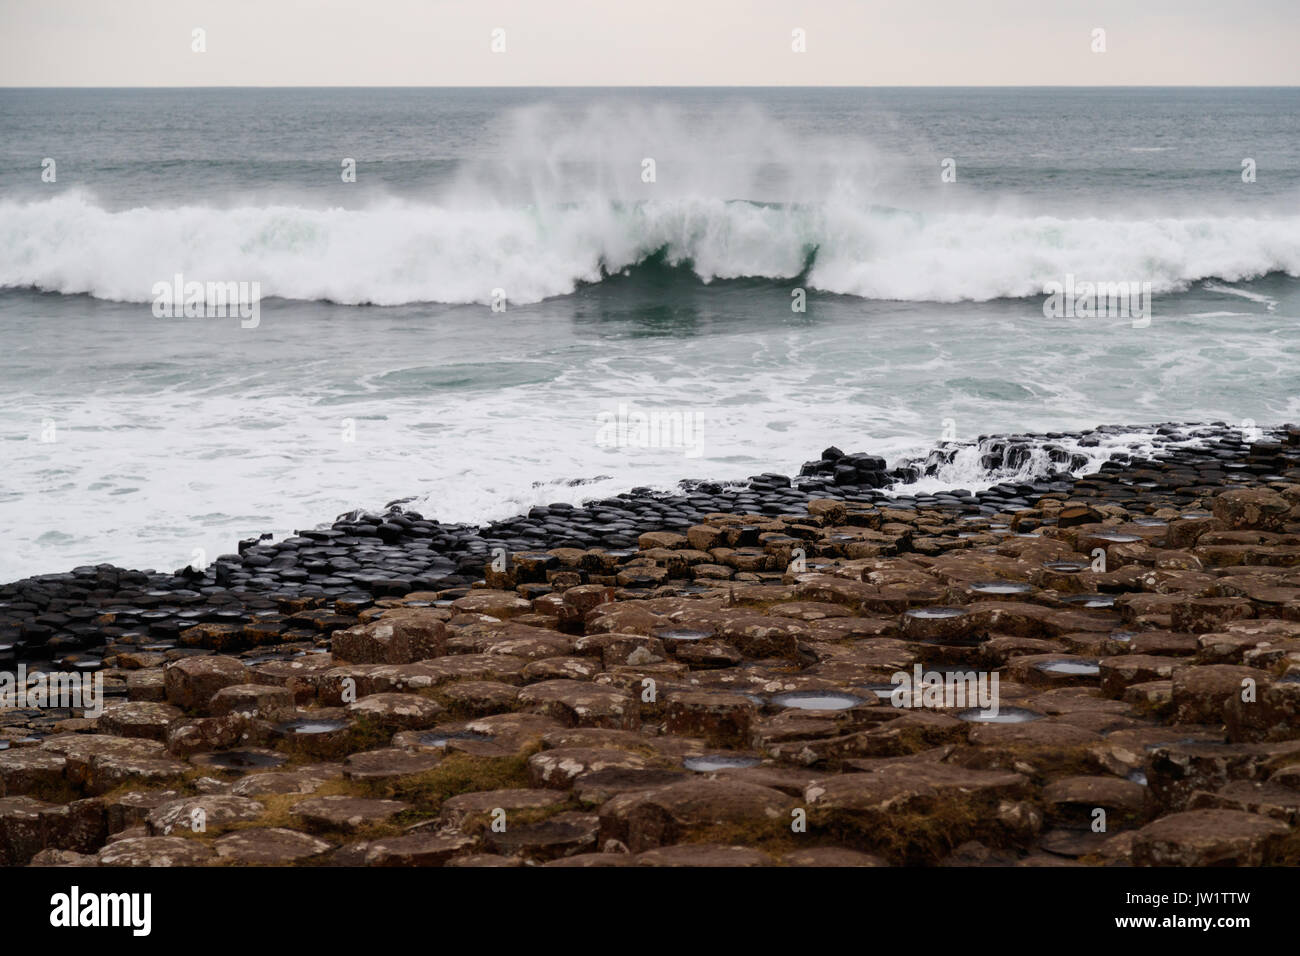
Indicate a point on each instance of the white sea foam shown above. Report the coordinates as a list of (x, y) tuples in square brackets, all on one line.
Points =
[(1265, 300), (966, 469), (400, 252), (554, 199)]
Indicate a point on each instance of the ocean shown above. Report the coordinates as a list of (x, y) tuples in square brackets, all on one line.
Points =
[(474, 322)]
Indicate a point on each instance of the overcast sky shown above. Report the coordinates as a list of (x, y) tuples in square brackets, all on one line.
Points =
[(648, 42)]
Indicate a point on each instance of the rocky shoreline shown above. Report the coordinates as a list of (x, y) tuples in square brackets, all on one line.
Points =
[(708, 677)]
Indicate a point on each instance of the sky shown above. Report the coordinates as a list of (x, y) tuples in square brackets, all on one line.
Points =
[(649, 43)]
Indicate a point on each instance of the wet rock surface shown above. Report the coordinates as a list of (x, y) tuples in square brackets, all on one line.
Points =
[(822, 670)]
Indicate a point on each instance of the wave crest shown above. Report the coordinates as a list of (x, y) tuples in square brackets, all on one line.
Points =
[(401, 251)]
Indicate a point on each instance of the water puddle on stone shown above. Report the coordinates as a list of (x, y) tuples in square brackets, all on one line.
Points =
[(707, 763), (307, 725), (263, 659), (681, 634), (934, 613), (640, 584), (1005, 715), (1001, 587), (242, 759), (436, 739), (1090, 600), (1138, 777), (1151, 522), (816, 700), (1072, 668), (1067, 567), (1116, 537)]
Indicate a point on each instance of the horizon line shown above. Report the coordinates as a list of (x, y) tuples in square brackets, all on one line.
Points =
[(671, 86)]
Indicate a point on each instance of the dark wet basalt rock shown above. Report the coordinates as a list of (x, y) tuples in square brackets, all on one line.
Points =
[(670, 679)]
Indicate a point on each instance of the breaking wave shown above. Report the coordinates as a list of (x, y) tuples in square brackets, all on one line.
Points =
[(556, 201), (401, 252)]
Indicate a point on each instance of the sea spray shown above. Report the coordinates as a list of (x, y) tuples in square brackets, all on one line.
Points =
[(400, 251)]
